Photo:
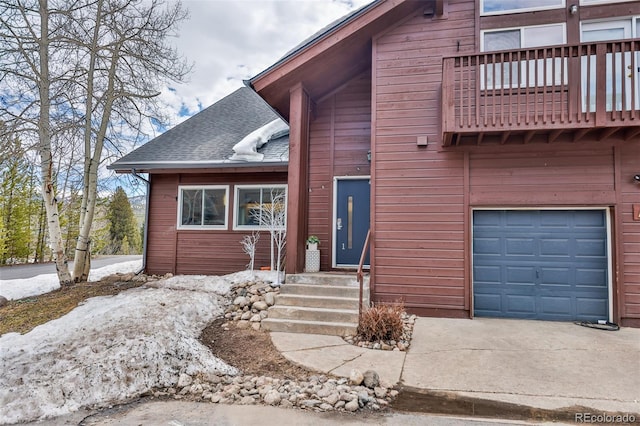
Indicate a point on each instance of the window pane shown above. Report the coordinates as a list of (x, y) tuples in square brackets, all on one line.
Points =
[(603, 34), (506, 6), (248, 206), (214, 206), (501, 40), (547, 35), (251, 199), (191, 207)]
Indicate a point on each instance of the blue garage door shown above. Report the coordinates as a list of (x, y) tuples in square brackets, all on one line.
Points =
[(542, 264)]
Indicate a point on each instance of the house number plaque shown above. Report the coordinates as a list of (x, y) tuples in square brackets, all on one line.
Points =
[(636, 212)]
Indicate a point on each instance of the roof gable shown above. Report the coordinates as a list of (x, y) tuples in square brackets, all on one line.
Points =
[(333, 56)]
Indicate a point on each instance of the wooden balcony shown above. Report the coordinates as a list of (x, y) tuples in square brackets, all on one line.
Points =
[(543, 93)]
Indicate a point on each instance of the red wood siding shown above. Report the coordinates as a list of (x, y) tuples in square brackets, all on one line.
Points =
[(419, 213), (340, 137), (211, 252), (630, 234), (423, 196)]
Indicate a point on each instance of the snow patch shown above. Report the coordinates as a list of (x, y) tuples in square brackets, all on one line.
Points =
[(247, 148), (45, 283), (111, 349)]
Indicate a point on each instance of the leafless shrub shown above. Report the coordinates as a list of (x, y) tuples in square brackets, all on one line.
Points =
[(382, 322)]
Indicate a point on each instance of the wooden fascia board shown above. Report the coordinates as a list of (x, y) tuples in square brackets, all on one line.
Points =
[(326, 42)]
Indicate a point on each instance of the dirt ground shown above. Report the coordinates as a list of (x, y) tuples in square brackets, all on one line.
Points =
[(250, 351)]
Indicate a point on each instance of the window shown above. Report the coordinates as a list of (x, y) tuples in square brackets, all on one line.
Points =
[(619, 85), (497, 7), (517, 73), (202, 207), (249, 199)]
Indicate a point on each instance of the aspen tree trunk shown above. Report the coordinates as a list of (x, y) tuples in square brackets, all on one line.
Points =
[(46, 160)]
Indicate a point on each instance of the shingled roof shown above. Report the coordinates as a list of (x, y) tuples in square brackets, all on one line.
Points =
[(206, 139)]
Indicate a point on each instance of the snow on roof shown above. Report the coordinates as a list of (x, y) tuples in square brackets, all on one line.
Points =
[(247, 148)]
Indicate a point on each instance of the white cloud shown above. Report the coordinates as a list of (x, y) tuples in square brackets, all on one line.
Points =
[(232, 40)]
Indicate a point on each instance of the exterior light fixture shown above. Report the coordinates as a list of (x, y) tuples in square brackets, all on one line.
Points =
[(636, 178), (573, 9), (369, 156)]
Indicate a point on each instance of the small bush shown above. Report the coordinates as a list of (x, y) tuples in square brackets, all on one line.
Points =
[(382, 322)]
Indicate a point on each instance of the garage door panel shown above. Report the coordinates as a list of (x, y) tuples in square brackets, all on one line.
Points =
[(487, 246), (556, 306), (555, 247), (520, 247), (591, 219), (523, 274), (520, 305), (591, 278), (555, 276), (541, 264), (590, 248), (590, 308), (488, 304)]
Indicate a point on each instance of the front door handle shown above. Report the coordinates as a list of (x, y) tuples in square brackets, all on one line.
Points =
[(338, 224)]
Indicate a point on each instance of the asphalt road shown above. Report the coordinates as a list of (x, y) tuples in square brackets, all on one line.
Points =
[(31, 270)]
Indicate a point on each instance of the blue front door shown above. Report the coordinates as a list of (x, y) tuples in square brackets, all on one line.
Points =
[(541, 264), (352, 220)]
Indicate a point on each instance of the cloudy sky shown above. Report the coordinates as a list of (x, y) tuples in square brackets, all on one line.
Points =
[(232, 40)]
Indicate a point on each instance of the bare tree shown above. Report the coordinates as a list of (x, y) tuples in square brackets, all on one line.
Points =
[(273, 217), (249, 243), (90, 70)]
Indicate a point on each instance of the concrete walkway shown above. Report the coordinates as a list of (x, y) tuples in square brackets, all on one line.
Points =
[(553, 366)]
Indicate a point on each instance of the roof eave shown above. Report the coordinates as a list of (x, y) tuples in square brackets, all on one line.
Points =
[(140, 167)]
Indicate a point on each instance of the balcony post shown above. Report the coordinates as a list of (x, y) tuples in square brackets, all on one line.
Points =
[(601, 84)]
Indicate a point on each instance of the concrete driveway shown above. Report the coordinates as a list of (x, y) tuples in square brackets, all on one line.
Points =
[(547, 365)]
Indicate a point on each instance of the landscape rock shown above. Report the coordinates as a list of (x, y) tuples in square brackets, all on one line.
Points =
[(371, 379), (184, 380), (272, 397), (241, 301), (270, 299), (352, 405), (243, 324), (260, 306), (3, 301), (356, 377)]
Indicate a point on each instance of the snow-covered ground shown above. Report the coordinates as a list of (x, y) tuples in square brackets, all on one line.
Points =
[(40, 284), (112, 348)]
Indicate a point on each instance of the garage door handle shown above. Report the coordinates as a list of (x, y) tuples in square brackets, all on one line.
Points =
[(537, 273)]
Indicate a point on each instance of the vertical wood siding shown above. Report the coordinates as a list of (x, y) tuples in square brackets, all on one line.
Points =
[(340, 135), (211, 252)]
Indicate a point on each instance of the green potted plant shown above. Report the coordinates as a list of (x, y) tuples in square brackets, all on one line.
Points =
[(312, 242)]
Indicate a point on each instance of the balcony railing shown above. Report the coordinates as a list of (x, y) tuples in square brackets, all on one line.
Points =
[(546, 89)]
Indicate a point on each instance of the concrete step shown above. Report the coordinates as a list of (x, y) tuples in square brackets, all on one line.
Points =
[(346, 280), (320, 290), (309, 327), (314, 314), (317, 301)]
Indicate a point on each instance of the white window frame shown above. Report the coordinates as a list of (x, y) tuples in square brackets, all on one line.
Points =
[(181, 188), (522, 36), (237, 204), (523, 10), (594, 2), (522, 67)]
